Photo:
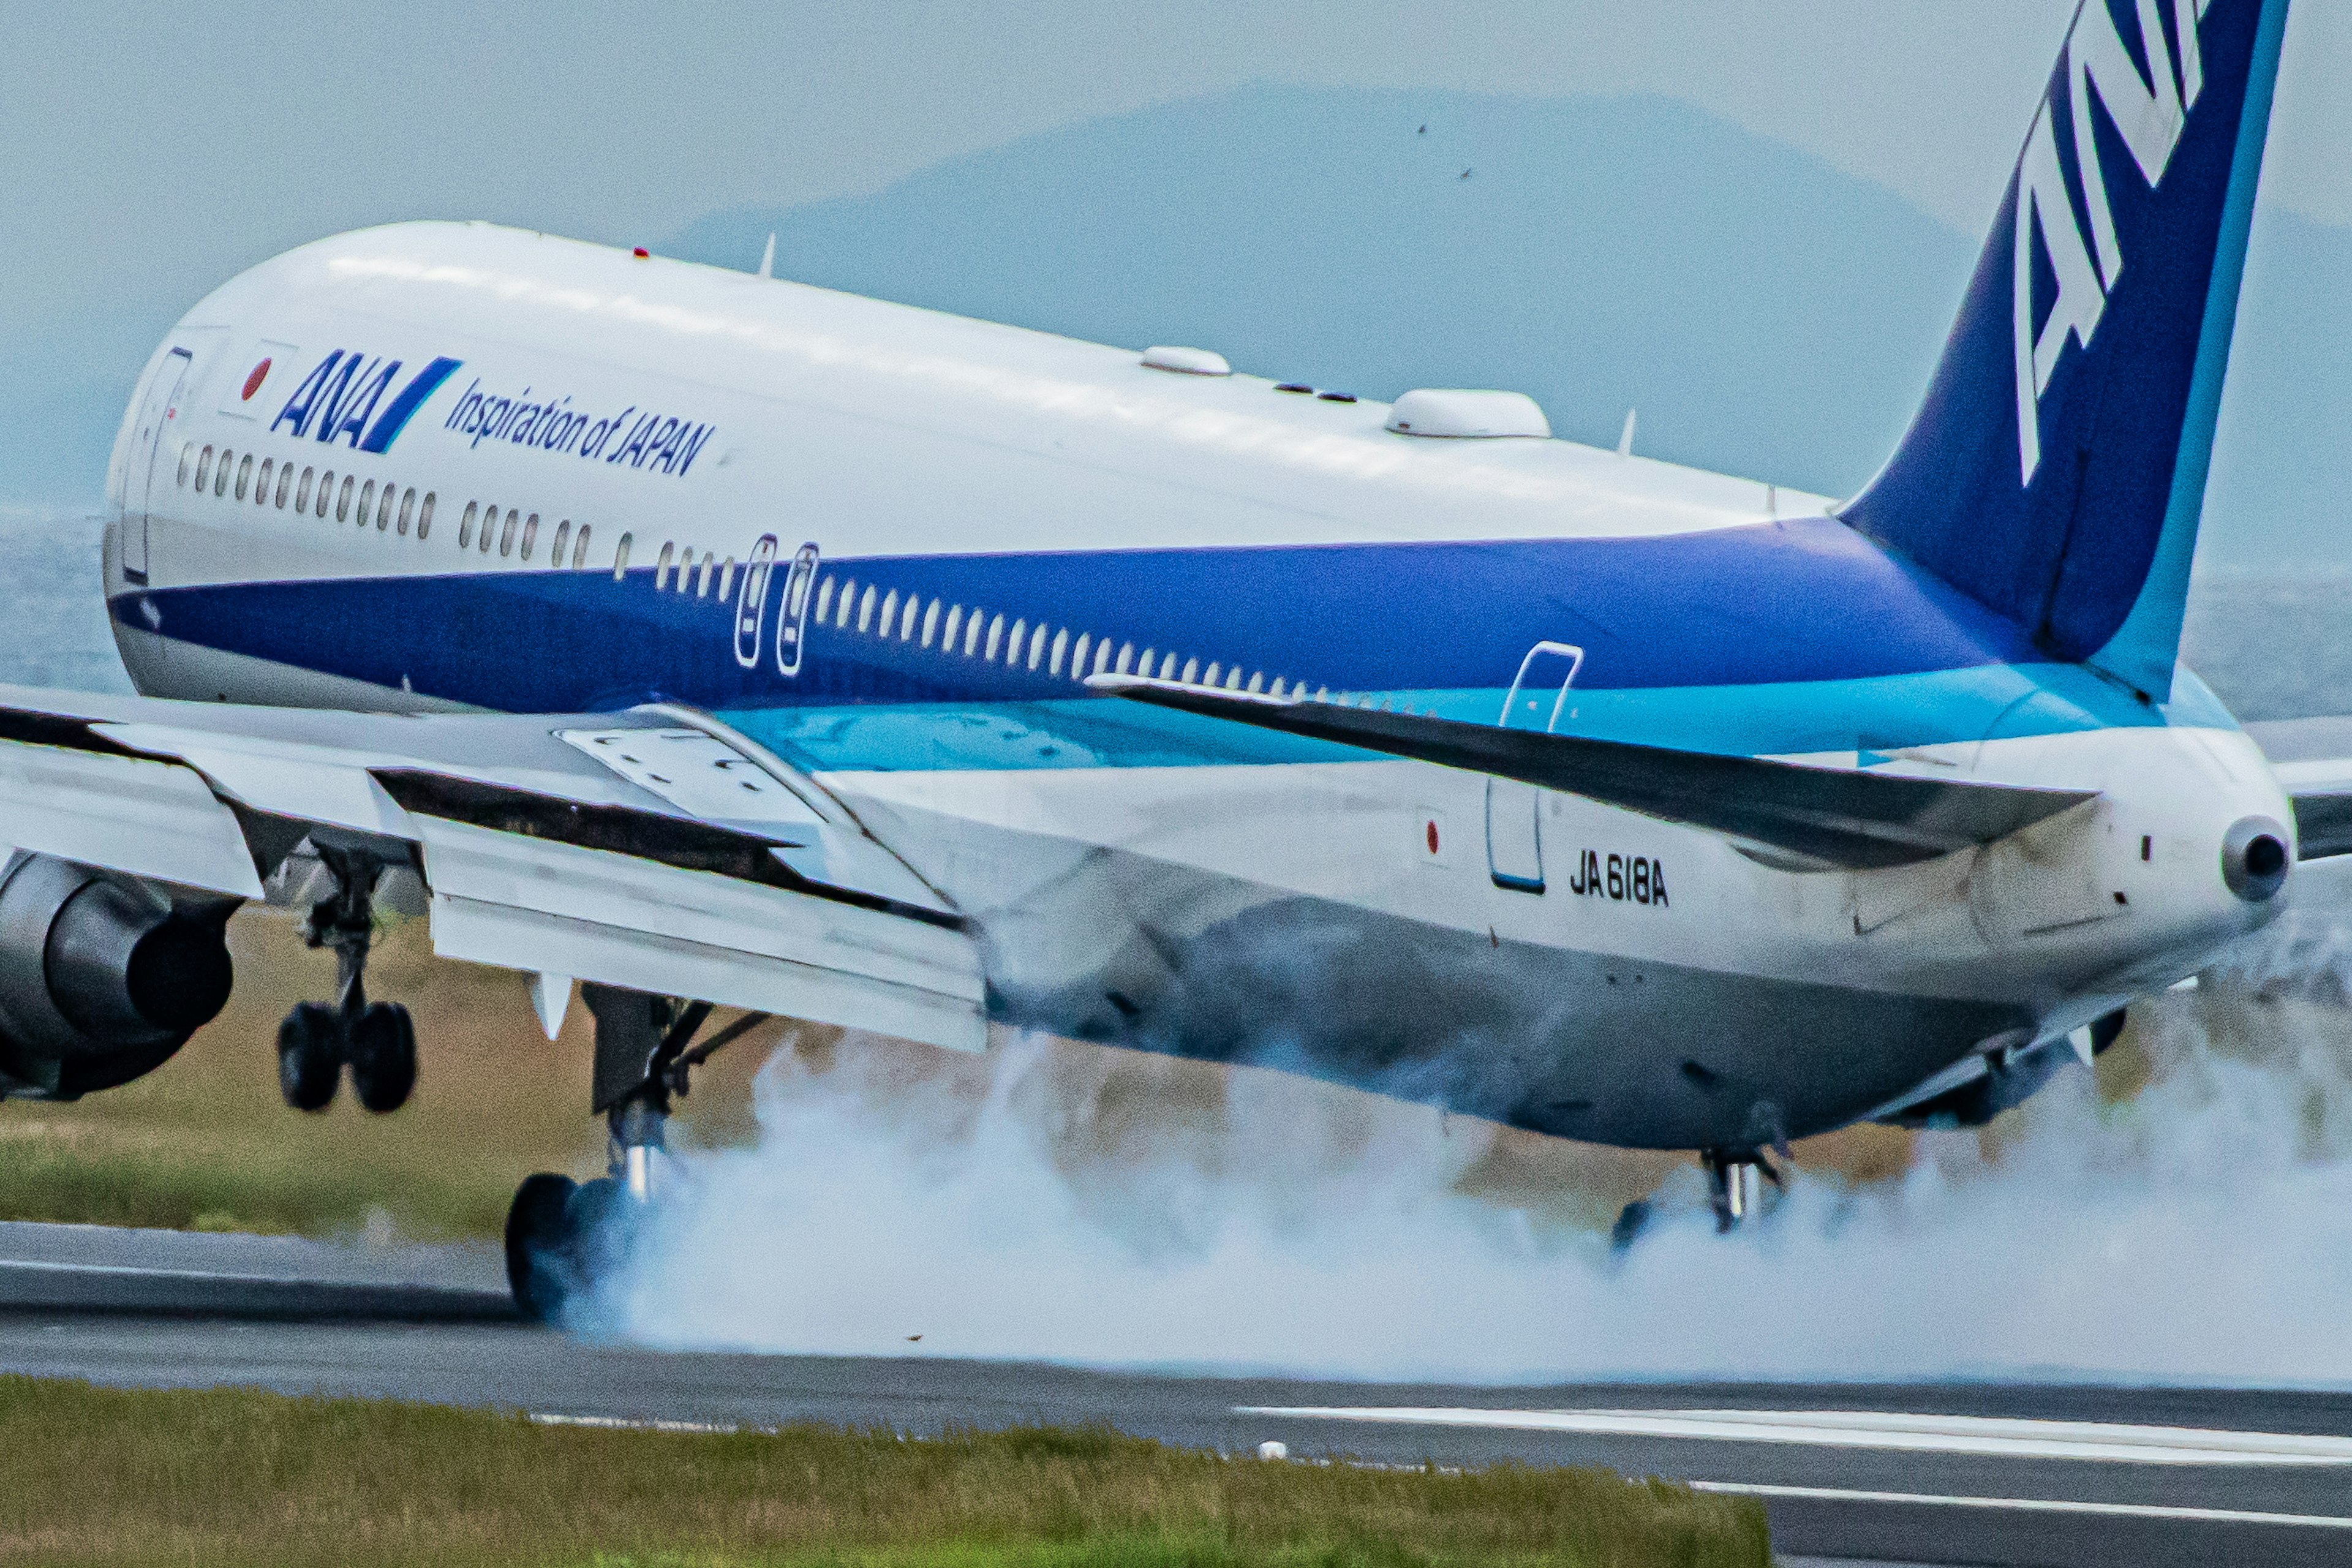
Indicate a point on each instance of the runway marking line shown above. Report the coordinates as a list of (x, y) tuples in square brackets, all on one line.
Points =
[(2030, 1505), (1987, 1437)]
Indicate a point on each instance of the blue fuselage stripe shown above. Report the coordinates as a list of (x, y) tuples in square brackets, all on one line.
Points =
[(1793, 637)]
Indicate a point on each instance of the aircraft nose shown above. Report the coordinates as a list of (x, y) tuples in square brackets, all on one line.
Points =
[(2255, 861)]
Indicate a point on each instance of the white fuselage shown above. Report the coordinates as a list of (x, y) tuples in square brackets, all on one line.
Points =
[(1648, 983)]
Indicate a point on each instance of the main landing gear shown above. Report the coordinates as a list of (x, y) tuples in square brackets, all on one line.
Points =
[(375, 1039), (561, 1234)]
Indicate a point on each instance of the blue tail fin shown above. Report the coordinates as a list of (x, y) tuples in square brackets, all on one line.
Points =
[(2056, 471)]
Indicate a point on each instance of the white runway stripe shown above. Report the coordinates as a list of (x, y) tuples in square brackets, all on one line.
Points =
[(1983, 1435), (2031, 1505)]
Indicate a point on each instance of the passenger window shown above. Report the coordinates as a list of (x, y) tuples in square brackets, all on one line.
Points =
[(995, 638), (621, 558), (1013, 642), (367, 501), (727, 578), (930, 623), (343, 499), (1256, 681), (661, 567), (1061, 646), (425, 516), (971, 633), (889, 611), (579, 549), (1168, 668), (823, 599), (261, 483), (220, 475), (1037, 647), (302, 493), (865, 610), (562, 538), (529, 534), (407, 511), (955, 624), (285, 482), (1102, 656), (702, 578), (383, 511), (1216, 672), (507, 534), (906, 620), (245, 476), (187, 456), (205, 468), (849, 603), (1192, 668), (1078, 657), (326, 492), (1127, 658), (466, 525)]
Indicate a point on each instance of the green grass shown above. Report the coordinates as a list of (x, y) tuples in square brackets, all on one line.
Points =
[(102, 1476)]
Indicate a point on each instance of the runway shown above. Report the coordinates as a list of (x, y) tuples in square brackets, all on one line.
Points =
[(1997, 1474)]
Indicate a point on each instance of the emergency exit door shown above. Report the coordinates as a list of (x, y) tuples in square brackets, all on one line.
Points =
[(1536, 701)]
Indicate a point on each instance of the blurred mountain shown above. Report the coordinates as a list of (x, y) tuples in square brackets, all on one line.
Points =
[(1768, 314)]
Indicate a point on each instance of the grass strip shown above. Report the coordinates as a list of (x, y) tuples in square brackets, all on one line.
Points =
[(112, 1475)]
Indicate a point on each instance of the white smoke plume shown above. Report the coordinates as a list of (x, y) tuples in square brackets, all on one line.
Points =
[(2197, 1229)]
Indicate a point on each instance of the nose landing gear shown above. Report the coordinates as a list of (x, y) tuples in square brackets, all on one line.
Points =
[(376, 1040), (1731, 1183)]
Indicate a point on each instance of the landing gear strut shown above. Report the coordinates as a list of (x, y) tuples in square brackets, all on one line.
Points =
[(561, 1233), (376, 1040), (1731, 1183)]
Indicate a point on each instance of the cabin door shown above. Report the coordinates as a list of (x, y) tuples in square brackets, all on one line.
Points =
[(152, 455)]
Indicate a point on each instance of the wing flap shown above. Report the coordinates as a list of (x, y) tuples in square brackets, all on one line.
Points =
[(148, 818), (540, 853), (525, 903), (1816, 819)]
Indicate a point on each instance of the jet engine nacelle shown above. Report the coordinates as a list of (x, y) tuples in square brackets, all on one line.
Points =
[(101, 977)]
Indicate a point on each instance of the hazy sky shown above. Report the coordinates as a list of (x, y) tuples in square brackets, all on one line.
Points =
[(169, 145)]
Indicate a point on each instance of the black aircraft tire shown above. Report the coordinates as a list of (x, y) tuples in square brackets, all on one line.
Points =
[(383, 1056), (309, 1056), (538, 1262)]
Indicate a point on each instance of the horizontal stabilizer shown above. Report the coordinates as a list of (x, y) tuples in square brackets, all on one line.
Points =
[(2313, 758), (1822, 818)]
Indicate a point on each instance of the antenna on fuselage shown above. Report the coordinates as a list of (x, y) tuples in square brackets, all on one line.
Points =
[(1626, 440), (768, 258)]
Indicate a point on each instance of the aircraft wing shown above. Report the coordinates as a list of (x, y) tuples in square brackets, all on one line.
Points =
[(2313, 757), (653, 850), (1818, 818)]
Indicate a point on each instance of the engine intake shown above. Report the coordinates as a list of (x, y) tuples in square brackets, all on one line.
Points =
[(101, 977)]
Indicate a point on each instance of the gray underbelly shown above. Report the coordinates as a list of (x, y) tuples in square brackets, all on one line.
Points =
[(1591, 1046)]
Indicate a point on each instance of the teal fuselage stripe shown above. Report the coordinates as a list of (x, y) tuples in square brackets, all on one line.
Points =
[(1881, 713)]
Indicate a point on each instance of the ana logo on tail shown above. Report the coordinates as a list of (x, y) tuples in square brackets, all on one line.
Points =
[(2148, 112)]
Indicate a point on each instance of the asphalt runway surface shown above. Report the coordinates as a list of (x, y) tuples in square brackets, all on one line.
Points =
[(1997, 1474)]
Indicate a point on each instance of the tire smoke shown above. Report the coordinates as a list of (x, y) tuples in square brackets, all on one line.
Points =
[(2194, 1225)]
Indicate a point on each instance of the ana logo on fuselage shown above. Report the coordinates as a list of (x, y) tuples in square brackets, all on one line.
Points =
[(338, 401), (2148, 111)]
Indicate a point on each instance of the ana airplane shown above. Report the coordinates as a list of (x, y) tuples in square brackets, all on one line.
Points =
[(704, 640)]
